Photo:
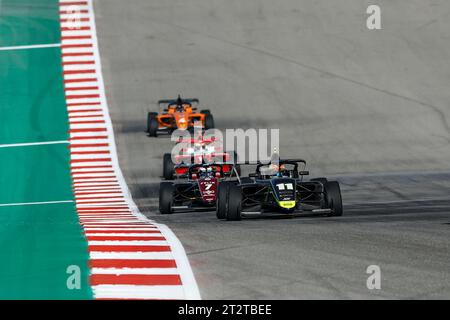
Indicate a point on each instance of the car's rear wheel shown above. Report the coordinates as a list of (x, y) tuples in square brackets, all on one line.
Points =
[(234, 203), (334, 198), (221, 202), (166, 192), (209, 121), (206, 111), (168, 167), (152, 124)]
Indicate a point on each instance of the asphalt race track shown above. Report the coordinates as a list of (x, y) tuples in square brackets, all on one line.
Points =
[(370, 108)]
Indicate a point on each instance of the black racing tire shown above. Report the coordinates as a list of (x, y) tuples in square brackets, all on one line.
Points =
[(168, 167), (166, 191), (222, 200), (234, 203), (149, 116), (152, 124), (209, 121), (321, 180), (334, 198), (206, 111)]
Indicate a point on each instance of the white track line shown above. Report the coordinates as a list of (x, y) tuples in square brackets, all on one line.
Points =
[(30, 144), (36, 46), (34, 203)]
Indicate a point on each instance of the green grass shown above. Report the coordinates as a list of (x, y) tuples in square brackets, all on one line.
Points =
[(35, 174), (38, 243), (29, 22), (32, 96)]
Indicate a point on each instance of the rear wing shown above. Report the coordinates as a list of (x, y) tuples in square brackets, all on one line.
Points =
[(259, 164), (174, 101), (209, 159), (186, 169), (192, 140)]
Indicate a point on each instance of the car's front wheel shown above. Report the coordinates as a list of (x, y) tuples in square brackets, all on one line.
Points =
[(166, 192), (209, 121), (334, 198), (168, 167), (152, 124), (234, 203), (221, 202)]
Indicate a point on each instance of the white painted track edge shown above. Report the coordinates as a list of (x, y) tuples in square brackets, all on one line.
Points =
[(189, 283)]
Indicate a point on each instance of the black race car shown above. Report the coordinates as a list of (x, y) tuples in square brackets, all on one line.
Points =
[(278, 187), (195, 188)]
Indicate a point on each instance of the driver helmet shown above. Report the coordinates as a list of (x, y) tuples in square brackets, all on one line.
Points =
[(203, 172), (282, 169), (274, 168), (278, 169)]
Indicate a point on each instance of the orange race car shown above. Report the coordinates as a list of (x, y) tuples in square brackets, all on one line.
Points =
[(178, 114)]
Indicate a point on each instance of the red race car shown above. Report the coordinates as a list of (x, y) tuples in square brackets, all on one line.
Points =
[(198, 190), (200, 151)]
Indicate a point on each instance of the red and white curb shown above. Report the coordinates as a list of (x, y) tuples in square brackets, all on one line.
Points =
[(131, 257)]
